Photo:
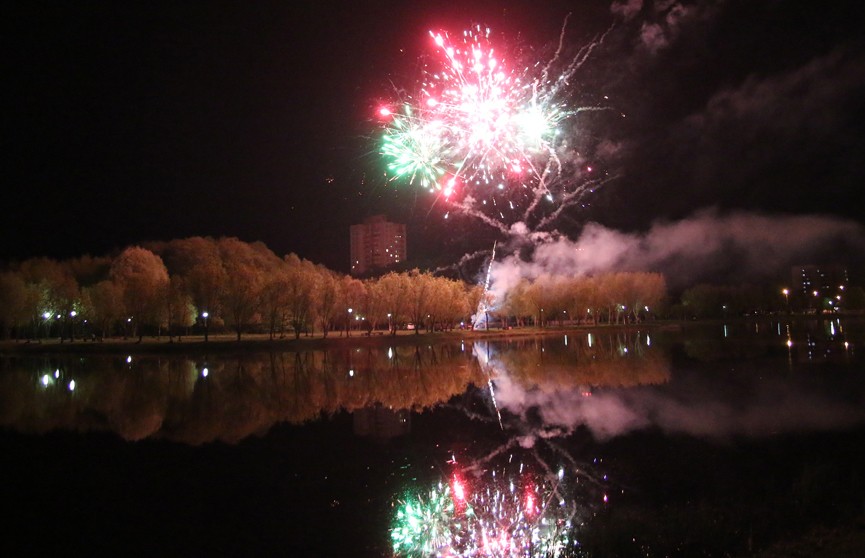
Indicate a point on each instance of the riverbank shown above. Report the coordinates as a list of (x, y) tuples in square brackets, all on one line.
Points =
[(228, 343)]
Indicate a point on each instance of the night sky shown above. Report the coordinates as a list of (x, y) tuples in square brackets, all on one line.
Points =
[(127, 122)]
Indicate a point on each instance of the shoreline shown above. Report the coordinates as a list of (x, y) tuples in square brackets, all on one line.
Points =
[(254, 342)]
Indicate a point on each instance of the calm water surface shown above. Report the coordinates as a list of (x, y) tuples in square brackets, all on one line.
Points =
[(703, 440)]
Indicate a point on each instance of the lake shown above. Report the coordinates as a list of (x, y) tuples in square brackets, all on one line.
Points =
[(694, 439)]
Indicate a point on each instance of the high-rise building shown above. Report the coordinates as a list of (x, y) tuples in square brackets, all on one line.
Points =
[(821, 287), (376, 244), (823, 279)]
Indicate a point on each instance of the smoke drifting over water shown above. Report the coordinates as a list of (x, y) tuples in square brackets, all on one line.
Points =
[(705, 247), (717, 409)]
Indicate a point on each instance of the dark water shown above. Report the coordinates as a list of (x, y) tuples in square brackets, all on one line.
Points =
[(712, 440)]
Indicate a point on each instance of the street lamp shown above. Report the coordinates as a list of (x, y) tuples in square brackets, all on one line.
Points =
[(72, 315), (348, 323), (205, 315), (786, 292)]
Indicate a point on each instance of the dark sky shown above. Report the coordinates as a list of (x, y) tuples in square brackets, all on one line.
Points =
[(134, 121)]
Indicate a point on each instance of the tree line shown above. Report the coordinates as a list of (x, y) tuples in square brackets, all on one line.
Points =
[(209, 284), (202, 284)]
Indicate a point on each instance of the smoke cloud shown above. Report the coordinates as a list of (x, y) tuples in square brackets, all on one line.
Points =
[(698, 407), (707, 246)]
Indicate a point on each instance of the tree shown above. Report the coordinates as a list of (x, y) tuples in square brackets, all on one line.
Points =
[(351, 293), (275, 293), (301, 276), (245, 267), (643, 291), (420, 285), (13, 304), (179, 310), (375, 303), (56, 291), (143, 279), (396, 288), (324, 298), (106, 302), (198, 260)]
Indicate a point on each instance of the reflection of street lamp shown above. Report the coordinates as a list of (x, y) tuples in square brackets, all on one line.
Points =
[(205, 315)]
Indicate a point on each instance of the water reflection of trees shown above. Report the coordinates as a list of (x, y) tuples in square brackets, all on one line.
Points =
[(232, 397), (227, 399), (609, 359)]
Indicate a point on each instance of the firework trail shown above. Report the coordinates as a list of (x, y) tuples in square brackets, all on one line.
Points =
[(491, 138)]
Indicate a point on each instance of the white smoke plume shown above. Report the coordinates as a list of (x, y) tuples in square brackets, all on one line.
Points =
[(707, 246)]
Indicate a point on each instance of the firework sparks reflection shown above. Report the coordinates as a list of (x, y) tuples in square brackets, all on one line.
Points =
[(511, 512)]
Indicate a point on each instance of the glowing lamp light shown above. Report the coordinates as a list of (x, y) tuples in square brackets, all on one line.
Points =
[(46, 380), (71, 385), (205, 371)]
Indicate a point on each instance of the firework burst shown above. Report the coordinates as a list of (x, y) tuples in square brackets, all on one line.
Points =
[(487, 135)]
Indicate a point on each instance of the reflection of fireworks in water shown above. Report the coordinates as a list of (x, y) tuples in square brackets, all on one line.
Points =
[(487, 136), (511, 502), (501, 513)]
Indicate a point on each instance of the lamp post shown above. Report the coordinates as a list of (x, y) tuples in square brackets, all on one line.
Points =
[(389, 326), (205, 315), (786, 292), (72, 315), (348, 323)]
